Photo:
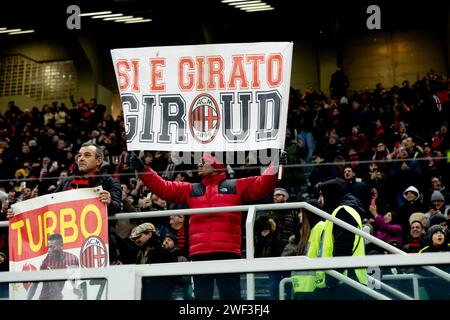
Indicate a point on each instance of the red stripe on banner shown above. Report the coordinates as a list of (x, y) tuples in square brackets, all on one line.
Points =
[(202, 124), (194, 118), (95, 250), (85, 258), (91, 258), (211, 118), (197, 119)]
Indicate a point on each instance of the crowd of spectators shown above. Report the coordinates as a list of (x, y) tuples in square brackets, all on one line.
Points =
[(390, 145)]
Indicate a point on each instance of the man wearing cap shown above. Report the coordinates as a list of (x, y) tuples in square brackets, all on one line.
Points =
[(418, 216), (152, 251), (170, 243), (214, 236), (411, 204), (145, 237), (437, 206)]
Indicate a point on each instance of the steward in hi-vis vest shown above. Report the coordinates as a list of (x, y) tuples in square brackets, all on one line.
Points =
[(304, 283), (337, 241), (308, 281), (358, 243)]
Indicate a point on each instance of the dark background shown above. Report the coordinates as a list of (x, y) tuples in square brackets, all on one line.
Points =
[(199, 21)]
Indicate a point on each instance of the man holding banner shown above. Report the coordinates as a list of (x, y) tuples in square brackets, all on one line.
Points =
[(59, 231), (89, 160), (76, 215), (227, 98), (214, 236)]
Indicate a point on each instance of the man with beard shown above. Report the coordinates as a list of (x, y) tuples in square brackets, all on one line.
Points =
[(151, 251)]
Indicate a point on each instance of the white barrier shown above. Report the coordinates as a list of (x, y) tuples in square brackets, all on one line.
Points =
[(124, 282)]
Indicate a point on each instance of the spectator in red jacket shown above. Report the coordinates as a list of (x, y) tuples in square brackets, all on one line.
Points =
[(212, 236)]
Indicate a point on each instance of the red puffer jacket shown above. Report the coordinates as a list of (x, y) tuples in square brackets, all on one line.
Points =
[(218, 232)]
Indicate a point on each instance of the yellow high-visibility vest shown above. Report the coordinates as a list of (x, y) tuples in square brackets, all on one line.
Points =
[(308, 281), (358, 245)]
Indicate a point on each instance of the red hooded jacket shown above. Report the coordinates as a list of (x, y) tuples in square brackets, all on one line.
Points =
[(216, 232)]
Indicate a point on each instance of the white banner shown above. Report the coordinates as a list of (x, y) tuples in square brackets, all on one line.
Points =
[(224, 97)]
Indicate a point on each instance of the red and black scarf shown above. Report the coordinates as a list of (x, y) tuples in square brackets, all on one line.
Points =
[(79, 182)]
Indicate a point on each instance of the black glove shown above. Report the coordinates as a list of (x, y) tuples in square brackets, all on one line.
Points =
[(279, 159), (135, 163), (282, 158)]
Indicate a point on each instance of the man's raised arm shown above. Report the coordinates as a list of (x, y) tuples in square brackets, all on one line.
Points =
[(171, 191)]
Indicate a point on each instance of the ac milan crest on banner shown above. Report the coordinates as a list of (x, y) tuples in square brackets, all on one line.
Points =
[(224, 97), (93, 253)]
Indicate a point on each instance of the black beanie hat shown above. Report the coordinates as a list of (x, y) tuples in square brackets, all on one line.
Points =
[(171, 236), (332, 190), (437, 219), (433, 229)]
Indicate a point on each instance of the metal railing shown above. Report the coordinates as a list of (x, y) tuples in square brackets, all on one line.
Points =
[(124, 281), (354, 284), (407, 276), (248, 265)]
